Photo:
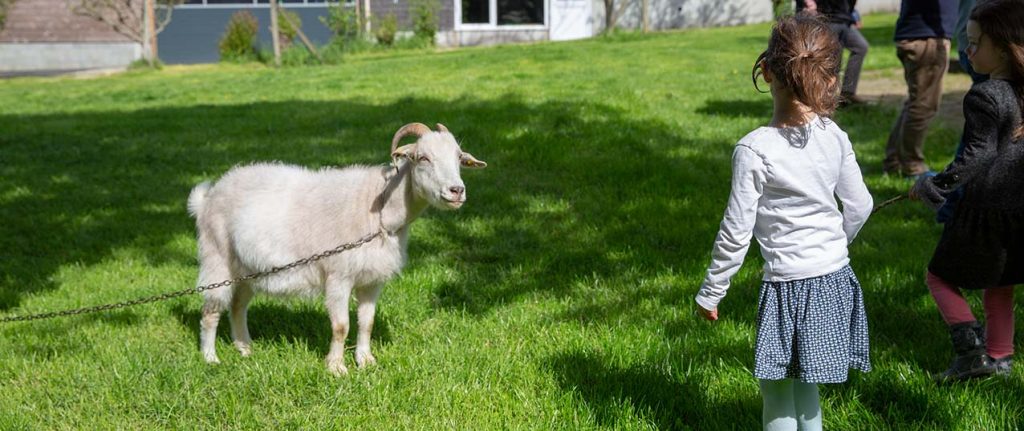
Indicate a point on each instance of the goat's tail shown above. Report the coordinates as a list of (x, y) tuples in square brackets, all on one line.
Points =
[(197, 198)]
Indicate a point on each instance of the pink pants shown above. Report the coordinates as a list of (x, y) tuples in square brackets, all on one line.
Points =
[(998, 303)]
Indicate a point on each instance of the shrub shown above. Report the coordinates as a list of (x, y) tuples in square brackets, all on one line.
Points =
[(386, 30), (297, 55), (782, 8), (413, 43), (424, 19), (239, 40), (333, 52), (342, 21), (143, 64)]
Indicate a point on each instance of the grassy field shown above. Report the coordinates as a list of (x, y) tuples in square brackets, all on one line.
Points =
[(559, 297)]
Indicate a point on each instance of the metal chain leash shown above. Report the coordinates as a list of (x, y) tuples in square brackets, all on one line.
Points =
[(253, 276), (198, 289)]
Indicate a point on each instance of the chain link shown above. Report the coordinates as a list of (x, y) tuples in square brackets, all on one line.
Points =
[(197, 289)]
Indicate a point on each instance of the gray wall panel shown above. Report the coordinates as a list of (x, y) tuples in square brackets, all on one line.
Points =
[(193, 34)]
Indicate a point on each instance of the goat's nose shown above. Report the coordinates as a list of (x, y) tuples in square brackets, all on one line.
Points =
[(457, 190)]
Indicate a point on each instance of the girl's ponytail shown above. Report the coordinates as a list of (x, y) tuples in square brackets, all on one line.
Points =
[(805, 55)]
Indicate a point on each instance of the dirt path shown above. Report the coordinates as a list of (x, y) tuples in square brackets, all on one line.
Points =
[(887, 87)]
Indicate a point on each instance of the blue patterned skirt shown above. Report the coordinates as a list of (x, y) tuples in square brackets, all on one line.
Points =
[(813, 330)]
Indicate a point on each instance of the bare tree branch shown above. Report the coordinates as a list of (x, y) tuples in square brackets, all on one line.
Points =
[(124, 16), (167, 8)]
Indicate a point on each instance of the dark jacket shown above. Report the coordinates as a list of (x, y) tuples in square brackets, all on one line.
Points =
[(837, 11), (922, 19), (991, 114)]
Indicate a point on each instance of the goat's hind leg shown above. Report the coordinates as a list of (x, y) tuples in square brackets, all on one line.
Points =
[(216, 301), (212, 308)]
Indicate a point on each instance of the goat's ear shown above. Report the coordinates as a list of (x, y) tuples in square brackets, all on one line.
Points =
[(468, 161), (404, 151)]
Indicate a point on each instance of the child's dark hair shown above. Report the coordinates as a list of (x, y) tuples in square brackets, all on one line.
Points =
[(1003, 22), (804, 55)]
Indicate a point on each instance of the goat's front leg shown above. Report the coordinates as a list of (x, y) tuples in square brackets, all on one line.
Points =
[(239, 323), (367, 297), (338, 292)]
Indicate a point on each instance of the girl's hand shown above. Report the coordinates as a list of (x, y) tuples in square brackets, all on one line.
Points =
[(711, 315)]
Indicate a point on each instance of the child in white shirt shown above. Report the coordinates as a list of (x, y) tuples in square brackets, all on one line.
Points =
[(811, 325)]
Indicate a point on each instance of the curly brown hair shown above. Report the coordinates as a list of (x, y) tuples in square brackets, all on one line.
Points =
[(1003, 22), (804, 55)]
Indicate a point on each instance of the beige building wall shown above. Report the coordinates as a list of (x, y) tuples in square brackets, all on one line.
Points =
[(42, 35)]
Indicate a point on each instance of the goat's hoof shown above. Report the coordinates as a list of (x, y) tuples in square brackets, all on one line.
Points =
[(244, 349), (365, 359), (211, 358), (337, 367)]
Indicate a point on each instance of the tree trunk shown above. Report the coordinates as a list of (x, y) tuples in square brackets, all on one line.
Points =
[(274, 36), (369, 25), (147, 36), (645, 12), (612, 12), (359, 18), (609, 7), (151, 29)]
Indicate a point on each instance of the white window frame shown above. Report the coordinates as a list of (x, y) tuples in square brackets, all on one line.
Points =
[(492, 23)]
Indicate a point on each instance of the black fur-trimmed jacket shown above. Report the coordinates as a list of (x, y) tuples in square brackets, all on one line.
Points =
[(991, 114)]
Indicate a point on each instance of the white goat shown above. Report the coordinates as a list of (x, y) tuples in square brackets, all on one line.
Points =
[(261, 216)]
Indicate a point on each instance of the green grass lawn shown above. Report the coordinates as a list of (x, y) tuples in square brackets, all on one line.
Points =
[(559, 297)]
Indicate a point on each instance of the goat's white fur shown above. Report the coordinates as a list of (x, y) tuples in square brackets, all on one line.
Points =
[(264, 215)]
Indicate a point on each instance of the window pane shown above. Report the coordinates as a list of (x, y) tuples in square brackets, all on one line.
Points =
[(193, 2), (476, 12), (520, 12)]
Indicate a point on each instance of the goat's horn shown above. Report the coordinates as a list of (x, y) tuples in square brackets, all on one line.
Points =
[(441, 128), (418, 129)]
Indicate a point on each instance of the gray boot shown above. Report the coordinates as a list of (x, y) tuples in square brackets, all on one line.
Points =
[(971, 360), (1003, 366)]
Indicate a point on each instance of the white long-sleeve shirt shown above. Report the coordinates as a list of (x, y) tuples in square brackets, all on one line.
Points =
[(784, 187)]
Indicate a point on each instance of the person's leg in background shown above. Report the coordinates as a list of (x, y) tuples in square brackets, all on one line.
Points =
[(924, 63), (909, 54), (853, 40)]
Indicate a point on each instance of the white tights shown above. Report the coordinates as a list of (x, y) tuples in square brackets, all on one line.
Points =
[(790, 405)]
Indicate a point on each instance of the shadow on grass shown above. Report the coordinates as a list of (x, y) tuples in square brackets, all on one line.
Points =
[(78, 187), (290, 322), (760, 108), (575, 193), (648, 393)]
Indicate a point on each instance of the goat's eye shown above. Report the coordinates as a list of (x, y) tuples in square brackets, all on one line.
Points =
[(424, 159)]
